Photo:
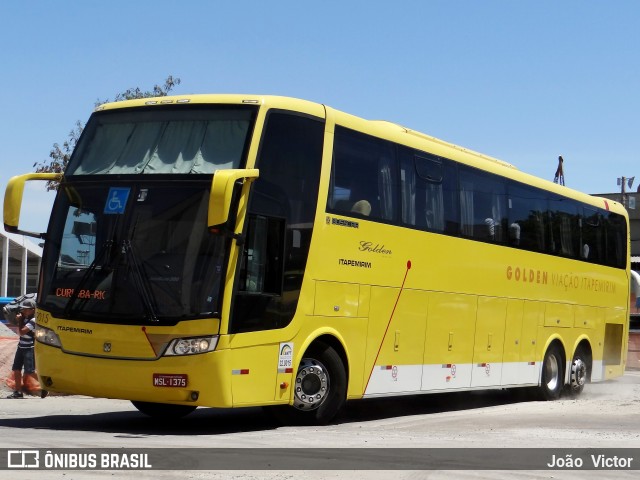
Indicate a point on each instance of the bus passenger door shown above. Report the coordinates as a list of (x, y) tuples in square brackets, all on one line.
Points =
[(489, 342)]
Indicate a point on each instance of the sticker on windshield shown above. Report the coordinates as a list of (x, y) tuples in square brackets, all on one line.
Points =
[(116, 200)]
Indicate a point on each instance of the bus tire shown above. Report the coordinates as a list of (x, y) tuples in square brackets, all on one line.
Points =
[(320, 389), (579, 372), (163, 410), (552, 380)]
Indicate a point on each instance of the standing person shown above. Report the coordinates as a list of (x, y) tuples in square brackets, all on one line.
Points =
[(12, 309), (24, 353)]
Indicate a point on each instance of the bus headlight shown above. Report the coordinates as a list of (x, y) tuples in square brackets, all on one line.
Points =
[(47, 336), (191, 346)]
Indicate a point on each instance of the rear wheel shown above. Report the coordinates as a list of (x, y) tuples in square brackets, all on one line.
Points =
[(163, 410), (320, 389), (579, 372), (552, 374)]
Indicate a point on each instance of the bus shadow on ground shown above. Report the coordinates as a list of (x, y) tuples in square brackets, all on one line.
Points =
[(204, 421), (213, 421), (428, 404)]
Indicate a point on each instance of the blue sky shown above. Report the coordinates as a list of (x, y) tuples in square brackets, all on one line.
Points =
[(523, 81)]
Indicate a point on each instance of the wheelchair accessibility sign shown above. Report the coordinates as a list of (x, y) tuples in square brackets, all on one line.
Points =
[(116, 200)]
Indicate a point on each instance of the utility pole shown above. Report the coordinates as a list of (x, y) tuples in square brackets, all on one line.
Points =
[(623, 182)]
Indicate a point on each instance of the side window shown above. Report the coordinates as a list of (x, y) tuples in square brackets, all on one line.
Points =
[(363, 177), (592, 236), (483, 209), (616, 240), (261, 271), (565, 227), (280, 216), (527, 227), (429, 192)]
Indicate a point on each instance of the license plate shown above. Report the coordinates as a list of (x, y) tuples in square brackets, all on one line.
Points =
[(170, 380)]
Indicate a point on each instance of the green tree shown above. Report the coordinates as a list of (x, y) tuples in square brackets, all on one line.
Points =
[(60, 154)]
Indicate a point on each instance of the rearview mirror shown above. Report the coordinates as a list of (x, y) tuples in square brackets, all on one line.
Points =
[(13, 200), (222, 190)]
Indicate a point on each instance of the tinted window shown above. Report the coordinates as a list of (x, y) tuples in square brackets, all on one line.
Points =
[(281, 214), (363, 181), (428, 187), (527, 218), (565, 227), (593, 236), (483, 209), (616, 236), (154, 260), (438, 195)]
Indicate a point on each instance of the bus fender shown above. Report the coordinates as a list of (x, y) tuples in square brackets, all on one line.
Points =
[(335, 339), (317, 335)]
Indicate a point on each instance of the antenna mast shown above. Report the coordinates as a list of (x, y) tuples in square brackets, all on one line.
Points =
[(559, 178)]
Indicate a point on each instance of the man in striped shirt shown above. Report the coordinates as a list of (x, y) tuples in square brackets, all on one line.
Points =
[(24, 353)]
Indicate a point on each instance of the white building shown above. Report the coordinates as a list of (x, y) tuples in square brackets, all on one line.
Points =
[(20, 266)]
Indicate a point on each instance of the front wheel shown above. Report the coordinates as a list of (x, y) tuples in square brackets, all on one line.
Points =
[(552, 374), (320, 389), (163, 410)]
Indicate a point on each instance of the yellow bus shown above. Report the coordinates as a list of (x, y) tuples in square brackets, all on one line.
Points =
[(235, 251)]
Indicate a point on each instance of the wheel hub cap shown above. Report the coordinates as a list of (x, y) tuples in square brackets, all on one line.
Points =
[(578, 373), (312, 384), (553, 373)]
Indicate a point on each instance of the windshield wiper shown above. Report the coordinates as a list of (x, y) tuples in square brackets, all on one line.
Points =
[(140, 280), (106, 247)]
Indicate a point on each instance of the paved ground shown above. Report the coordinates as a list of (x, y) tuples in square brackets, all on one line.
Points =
[(8, 344), (605, 415)]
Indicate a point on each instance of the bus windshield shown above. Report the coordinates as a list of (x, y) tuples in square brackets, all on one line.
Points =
[(128, 239), (179, 139), (138, 252)]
